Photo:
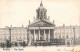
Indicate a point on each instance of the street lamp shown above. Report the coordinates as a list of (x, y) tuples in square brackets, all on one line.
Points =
[(9, 41), (10, 33), (74, 34)]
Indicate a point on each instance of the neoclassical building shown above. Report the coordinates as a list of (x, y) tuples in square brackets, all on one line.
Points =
[(41, 29), (14, 34)]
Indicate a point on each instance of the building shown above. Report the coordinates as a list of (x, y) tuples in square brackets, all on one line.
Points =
[(4, 34), (41, 29), (14, 34), (71, 34), (66, 33)]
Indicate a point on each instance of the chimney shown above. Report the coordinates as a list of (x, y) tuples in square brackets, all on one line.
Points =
[(63, 25), (11, 25), (48, 17), (29, 21), (53, 21), (22, 26)]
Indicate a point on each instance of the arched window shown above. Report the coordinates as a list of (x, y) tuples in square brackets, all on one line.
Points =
[(67, 36), (41, 14)]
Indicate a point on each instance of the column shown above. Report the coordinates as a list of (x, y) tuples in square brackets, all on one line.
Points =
[(39, 34), (65, 37), (66, 42), (34, 36), (53, 33), (44, 35), (10, 34), (49, 36), (30, 36), (74, 35)]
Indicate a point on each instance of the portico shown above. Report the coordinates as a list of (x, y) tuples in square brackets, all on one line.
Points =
[(41, 33), (38, 32)]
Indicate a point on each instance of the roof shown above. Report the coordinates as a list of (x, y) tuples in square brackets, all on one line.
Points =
[(41, 23), (41, 7)]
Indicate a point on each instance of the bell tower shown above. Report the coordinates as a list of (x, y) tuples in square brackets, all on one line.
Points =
[(41, 12)]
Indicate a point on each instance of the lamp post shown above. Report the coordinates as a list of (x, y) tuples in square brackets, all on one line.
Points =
[(74, 35), (9, 41), (10, 33)]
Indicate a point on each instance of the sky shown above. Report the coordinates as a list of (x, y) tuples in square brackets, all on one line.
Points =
[(19, 12)]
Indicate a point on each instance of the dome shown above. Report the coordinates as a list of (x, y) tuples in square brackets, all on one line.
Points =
[(41, 12), (41, 7)]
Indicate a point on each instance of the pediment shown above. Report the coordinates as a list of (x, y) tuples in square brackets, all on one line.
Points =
[(42, 23)]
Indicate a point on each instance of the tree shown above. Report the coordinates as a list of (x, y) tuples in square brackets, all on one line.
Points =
[(8, 43), (24, 43)]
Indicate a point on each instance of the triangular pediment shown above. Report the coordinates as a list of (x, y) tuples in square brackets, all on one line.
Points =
[(41, 23)]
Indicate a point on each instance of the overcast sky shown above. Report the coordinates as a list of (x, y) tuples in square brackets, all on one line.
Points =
[(19, 12)]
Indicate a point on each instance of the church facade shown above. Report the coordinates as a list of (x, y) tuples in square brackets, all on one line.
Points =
[(41, 30)]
